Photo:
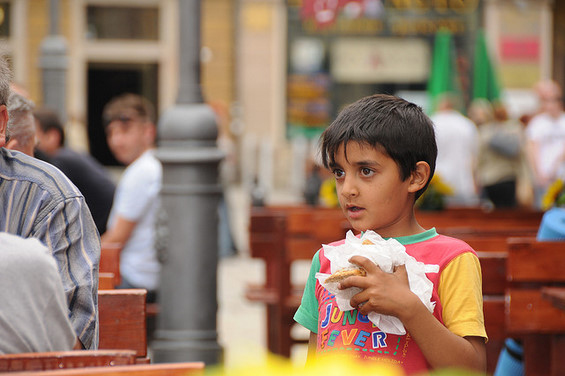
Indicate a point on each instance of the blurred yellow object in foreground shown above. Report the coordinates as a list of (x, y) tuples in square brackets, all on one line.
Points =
[(324, 364), (327, 365)]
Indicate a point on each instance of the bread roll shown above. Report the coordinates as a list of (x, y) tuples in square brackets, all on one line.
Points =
[(348, 272), (344, 273)]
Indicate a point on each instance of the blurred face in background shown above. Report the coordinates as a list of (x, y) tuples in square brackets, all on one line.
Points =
[(48, 142), (129, 136), (553, 105), (550, 97)]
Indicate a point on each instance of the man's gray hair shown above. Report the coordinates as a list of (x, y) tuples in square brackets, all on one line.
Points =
[(5, 77), (21, 123)]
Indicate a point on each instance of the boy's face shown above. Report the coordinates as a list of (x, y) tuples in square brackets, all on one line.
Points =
[(371, 192), (129, 136)]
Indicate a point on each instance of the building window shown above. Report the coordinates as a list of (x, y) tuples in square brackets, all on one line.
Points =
[(5, 19), (133, 23)]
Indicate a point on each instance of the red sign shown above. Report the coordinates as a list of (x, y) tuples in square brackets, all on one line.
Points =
[(325, 12), (520, 49)]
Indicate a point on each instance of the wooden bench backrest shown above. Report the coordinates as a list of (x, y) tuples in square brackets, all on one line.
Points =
[(163, 369), (106, 281), (65, 359), (122, 320), (296, 231), (477, 218), (532, 265), (304, 229), (110, 261)]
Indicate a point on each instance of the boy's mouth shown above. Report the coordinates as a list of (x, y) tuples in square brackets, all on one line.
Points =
[(354, 209)]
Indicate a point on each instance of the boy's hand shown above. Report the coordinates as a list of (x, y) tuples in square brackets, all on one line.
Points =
[(383, 293)]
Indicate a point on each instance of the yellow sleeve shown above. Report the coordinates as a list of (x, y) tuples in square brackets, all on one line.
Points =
[(461, 296)]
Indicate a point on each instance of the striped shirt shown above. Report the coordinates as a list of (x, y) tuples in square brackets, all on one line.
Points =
[(39, 201)]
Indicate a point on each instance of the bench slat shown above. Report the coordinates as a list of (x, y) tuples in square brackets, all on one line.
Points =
[(122, 320), (163, 369), (65, 359)]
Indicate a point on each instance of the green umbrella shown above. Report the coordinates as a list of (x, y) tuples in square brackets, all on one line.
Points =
[(443, 76), (485, 82)]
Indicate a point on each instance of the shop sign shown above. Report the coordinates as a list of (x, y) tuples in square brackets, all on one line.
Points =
[(387, 17), (379, 60)]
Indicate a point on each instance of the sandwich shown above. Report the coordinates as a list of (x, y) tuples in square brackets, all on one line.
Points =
[(341, 274)]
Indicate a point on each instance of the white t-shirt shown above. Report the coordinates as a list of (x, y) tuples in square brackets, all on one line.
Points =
[(549, 134), (458, 143), (137, 200)]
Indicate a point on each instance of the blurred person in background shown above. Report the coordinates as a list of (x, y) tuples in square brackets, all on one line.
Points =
[(90, 177), (500, 153), (131, 133), (458, 144), (545, 139), (20, 134)]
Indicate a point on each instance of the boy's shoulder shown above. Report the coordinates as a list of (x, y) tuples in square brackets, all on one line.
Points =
[(442, 248)]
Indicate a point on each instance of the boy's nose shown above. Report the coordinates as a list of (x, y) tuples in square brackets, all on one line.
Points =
[(349, 188)]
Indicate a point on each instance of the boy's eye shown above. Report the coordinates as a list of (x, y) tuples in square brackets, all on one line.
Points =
[(365, 171), (338, 173)]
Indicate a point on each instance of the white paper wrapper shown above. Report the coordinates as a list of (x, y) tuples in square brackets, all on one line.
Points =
[(387, 254)]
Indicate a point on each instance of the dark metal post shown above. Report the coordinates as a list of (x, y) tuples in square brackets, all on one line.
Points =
[(188, 234), (53, 62)]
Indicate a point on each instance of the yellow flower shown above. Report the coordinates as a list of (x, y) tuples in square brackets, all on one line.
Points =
[(551, 194), (441, 186), (328, 365), (434, 196), (328, 193)]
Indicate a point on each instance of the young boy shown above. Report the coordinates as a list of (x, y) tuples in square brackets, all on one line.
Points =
[(382, 152)]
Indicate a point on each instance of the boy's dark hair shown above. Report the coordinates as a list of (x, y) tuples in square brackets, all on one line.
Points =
[(48, 120), (393, 125), (115, 108)]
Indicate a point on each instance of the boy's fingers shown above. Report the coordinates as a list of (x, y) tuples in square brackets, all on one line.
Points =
[(351, 282), (400, 271), (365, 263)]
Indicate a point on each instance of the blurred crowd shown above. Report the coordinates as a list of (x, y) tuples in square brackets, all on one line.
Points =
[(485, 157)]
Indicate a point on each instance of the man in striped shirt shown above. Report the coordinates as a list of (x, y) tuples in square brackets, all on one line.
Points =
[(38, 201)]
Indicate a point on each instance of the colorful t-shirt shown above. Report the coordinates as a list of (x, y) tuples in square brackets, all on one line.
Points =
[(457, 295)]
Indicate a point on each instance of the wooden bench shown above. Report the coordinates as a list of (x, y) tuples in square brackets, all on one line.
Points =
[(122, 320), (110, 269), (283, 235), (106, 281), (531, 266), (471, 219), (110, 261), (493, 267), (163, 369), (280, 236), (65, 359)]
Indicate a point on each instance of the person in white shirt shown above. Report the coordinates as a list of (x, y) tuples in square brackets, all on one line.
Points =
[(545, 141), (131, 134), (458, 143)]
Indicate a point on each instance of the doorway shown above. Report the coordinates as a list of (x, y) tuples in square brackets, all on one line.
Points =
[(107, 80)]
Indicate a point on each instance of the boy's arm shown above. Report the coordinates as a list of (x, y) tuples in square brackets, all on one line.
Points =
[(312, 347), (390, 294), (441, 347), (119, 233)]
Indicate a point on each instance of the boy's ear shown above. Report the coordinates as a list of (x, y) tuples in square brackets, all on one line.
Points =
[(419, 176)]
